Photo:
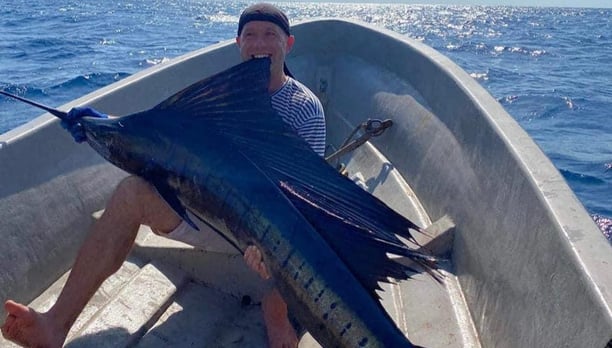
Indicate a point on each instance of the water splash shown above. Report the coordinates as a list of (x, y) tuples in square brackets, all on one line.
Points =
[(605, 225)]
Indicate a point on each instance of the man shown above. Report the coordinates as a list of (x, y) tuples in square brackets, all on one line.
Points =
[(263, 30)]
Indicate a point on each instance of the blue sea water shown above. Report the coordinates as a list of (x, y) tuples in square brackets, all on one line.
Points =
[(549, 67)]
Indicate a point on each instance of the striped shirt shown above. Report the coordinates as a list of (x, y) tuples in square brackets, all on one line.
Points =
[(303, 112)]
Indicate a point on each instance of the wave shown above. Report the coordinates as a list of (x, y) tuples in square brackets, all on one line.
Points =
[(605, 225), (94, 80), (22, 90), (529, 106), (15, 114), (493, 49), (572, 176)]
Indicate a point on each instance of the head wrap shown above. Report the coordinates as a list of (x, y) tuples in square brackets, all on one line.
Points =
[(266, 13)]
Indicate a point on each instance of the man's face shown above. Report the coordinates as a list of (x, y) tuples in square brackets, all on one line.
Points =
[(264, 39)]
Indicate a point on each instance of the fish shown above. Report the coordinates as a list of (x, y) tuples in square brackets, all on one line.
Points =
[(219, 152)]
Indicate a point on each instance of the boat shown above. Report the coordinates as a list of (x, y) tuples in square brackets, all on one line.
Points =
[(525, 265)]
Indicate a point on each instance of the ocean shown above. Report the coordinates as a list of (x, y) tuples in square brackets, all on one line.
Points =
[(550, 68)]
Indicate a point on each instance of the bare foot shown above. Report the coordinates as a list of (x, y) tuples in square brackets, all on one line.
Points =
[(29, 328), (281, 335)]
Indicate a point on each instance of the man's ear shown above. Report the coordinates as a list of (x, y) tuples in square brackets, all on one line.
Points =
[(290, 42), (238, 40)]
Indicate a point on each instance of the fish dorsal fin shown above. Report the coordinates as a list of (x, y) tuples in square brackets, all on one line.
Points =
[(363, 250), (230, 101), (358, 226), (221, 86), (234, 108), (303, 169)]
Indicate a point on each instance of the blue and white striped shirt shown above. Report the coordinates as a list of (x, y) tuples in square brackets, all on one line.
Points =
[(303, 112)]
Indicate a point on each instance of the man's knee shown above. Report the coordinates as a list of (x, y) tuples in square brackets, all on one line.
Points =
[(141, 200), (134, 187), (130, 198), (134, 191)]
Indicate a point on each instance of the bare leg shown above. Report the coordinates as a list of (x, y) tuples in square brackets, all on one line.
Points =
[(111, 238), (281, 333)]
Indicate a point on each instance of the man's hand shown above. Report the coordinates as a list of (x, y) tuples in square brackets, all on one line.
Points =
[(253, 259), (72, 124)]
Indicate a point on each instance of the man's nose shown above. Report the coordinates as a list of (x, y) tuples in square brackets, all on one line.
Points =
[(259, 41)]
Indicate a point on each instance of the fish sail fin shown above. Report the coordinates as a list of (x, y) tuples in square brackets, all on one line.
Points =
[(235, 108), (247, 122), (300, 168), (365, 252), (228, 84), (327, 199), (233, 101), (235, 105)]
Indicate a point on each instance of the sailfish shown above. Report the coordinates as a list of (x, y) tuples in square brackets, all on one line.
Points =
[(218, 150)]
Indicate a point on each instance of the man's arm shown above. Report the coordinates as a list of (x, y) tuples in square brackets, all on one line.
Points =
[(313, 131)]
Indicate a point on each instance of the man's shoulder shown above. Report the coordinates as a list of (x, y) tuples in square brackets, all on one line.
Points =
[(296, 84), (307, 96)]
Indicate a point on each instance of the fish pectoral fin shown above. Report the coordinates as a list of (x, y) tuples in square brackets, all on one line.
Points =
[(171, 198), (228, 238)]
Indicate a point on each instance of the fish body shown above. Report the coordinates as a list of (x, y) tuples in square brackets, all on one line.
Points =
[(229, 192), (219, 151)]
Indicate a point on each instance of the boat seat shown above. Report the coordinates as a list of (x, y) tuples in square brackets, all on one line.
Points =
[(439, 236)]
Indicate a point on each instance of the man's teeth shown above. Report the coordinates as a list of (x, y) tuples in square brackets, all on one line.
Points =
[(260, 56)]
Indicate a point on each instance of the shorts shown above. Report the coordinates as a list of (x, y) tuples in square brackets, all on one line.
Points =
[(206, 238)]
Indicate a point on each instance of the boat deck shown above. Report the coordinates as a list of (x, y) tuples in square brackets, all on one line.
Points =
[(162, 296), (153, 301)]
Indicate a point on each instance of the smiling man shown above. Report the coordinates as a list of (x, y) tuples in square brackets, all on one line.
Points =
[(263, 31)]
